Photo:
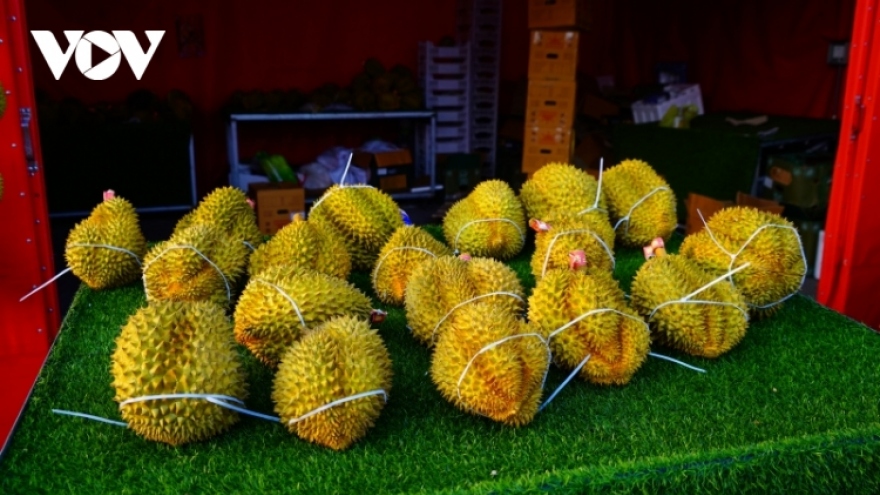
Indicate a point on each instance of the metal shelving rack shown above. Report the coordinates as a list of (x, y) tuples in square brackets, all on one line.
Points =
[(424, 144)]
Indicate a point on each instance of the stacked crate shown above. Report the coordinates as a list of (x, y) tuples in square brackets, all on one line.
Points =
[(552, 95), (479, 27), (443, 71)]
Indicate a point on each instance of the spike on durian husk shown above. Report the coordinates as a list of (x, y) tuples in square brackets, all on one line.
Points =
[(489, 222), (266, 320), (776, 263), (589, 232), (635, 190), (363, 217), (440, 287), (227, 209), (560, 188), (701, 329), (407, 248), (302, 244), (177, 269), (341, 358), (503, 382), (113, 223), (617, 344), (173, 347)]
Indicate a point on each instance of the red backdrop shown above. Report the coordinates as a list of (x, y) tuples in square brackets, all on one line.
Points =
[(746, 54)]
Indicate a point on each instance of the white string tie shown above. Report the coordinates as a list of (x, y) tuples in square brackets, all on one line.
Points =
[(483, 220), (284, 294), (187, 246), (634, 206), (499, 293), (339, 402), (576, 231)]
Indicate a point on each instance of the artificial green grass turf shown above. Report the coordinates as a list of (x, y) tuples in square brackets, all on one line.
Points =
[(794, 406)]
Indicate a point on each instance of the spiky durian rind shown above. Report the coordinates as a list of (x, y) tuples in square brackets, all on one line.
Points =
[(172, 347), (266, 320), (407, 248), (633, 188), (303, 244), (227, 209), (590, 232), (341, 358), (489, 222), (700, 329), (560, 188)]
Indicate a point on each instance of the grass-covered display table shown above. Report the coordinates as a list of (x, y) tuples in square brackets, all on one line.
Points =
[(794, 408)]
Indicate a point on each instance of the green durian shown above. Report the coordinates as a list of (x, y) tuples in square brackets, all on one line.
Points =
[(171, 347), (227, 209), (707, 330), (560, 188), (407, 247), (488, 222), (633, 188), (105, 250), (589, 232), (505, 381), (341, 358), (362, 216), (197, 263), (302, 244), (266, 320), (439, 287), (618, 345), (776, 262)]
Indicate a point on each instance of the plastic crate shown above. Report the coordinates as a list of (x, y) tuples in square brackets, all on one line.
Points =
[(451, 131), (451, 116), (680, 95), (446, 84), (456, 146), (440, 101)]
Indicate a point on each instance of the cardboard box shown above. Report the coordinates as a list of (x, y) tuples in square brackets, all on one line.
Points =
[(559, 14), (543, 145), (551, 104), (389, 170), (553, 55), (709, 206), (276, 203)]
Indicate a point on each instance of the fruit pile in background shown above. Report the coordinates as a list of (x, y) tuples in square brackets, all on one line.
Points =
[(375, 88)]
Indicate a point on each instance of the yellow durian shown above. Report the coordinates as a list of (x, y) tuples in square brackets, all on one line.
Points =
[(407, 247), (305, 245), (489, 362), (556, 239), (701, 329), (171, 347), (614, 336), (489, 222), (105, 249), (282, 303), (440, 287), (766, 241), (560, 188), (342, 358), (363, 217), (228, 210), (641, 204)]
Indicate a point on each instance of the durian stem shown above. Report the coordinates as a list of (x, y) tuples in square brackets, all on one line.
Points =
[(290, 299), (89, 416), (633, 207), (483, 220), (575, 231), (499, 293), (339, 402), (676, 361), (45, 284), (495, 344), (564, 383)]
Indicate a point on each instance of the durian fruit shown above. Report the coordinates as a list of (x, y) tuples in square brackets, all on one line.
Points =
[(105, 249), (363, 217), (776, 263), (278, 306), (504, 382), (227, 209), (560, 188), (488, 222), (640, 203), (589, 232), (440, 287), (407, 247), (302, 244), (617, 344), (700, 329), (171, 347), (197, 263), (341, 358)]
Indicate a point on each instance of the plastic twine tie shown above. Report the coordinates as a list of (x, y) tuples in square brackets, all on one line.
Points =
[(401, 248), (463, 303), (337, 402), (328, 193), (187, 246), (687, 299), (634, 206), (576, 231), (522, 235), (495, 344), (226, 401), (598, 191), (284, 294)]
